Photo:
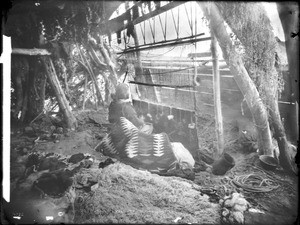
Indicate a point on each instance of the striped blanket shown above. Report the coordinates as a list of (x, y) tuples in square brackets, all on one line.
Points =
[(153, 152)]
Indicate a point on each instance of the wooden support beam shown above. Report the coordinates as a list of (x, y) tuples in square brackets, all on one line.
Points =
[(34, 51), (117, 24), (199, 55), (217, 96), (168, 43), (160, 85), (159, 43)]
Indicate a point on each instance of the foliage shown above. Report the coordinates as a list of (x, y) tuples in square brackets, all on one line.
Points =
[(65, 28), (71, 20)]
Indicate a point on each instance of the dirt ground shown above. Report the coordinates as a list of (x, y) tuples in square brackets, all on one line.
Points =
[(119, 193)]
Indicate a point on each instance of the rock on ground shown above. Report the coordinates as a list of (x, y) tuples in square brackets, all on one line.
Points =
[(128, 195)]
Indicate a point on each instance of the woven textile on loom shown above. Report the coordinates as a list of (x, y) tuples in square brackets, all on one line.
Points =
[(152, 152)]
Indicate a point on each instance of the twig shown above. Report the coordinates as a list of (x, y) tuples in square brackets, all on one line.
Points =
[(84, 95), (36, 117)]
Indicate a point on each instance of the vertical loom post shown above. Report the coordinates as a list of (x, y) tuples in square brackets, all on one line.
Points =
[(195, 95), (217, 95)]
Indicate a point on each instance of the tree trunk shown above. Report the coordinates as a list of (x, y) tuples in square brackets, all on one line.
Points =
[(19, 95), (37, 86), (61, 98), (285, 159), (289, 16), (241, 77), (20, 76), (263, 60), (26, 93)]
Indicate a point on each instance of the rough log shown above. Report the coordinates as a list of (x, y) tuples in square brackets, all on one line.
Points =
[(60, 95), (34, 51), (241, 77)]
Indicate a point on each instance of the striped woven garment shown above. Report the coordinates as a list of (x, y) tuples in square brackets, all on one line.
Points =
[(152, 152)]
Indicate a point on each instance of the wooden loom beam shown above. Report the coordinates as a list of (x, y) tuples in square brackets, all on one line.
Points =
[(117, 24)]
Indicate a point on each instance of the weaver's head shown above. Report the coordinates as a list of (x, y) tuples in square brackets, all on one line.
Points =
[(122, 91)]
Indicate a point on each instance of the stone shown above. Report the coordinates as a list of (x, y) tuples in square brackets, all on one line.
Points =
[(87, 163), (52, 128), (106, 163), (54, 183), (76, 158), (51, 164)]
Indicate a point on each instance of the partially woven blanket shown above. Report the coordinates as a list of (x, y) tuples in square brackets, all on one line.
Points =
[(152, 152)]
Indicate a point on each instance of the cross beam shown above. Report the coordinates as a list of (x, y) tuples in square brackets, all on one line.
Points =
[(117, 24), (164, 44)]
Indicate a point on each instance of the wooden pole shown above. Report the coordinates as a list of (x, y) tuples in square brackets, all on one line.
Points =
[(33, 51), (59, 93), (195, 94), (217, 95), (173, 42)]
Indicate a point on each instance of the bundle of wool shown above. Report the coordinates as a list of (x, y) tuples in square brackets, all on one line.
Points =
[(233, 209), (183, 155)]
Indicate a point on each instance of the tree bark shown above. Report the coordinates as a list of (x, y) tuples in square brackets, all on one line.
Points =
[(241, 77), (61, 98)]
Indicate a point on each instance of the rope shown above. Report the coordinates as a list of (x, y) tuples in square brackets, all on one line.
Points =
[(255, 182)]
